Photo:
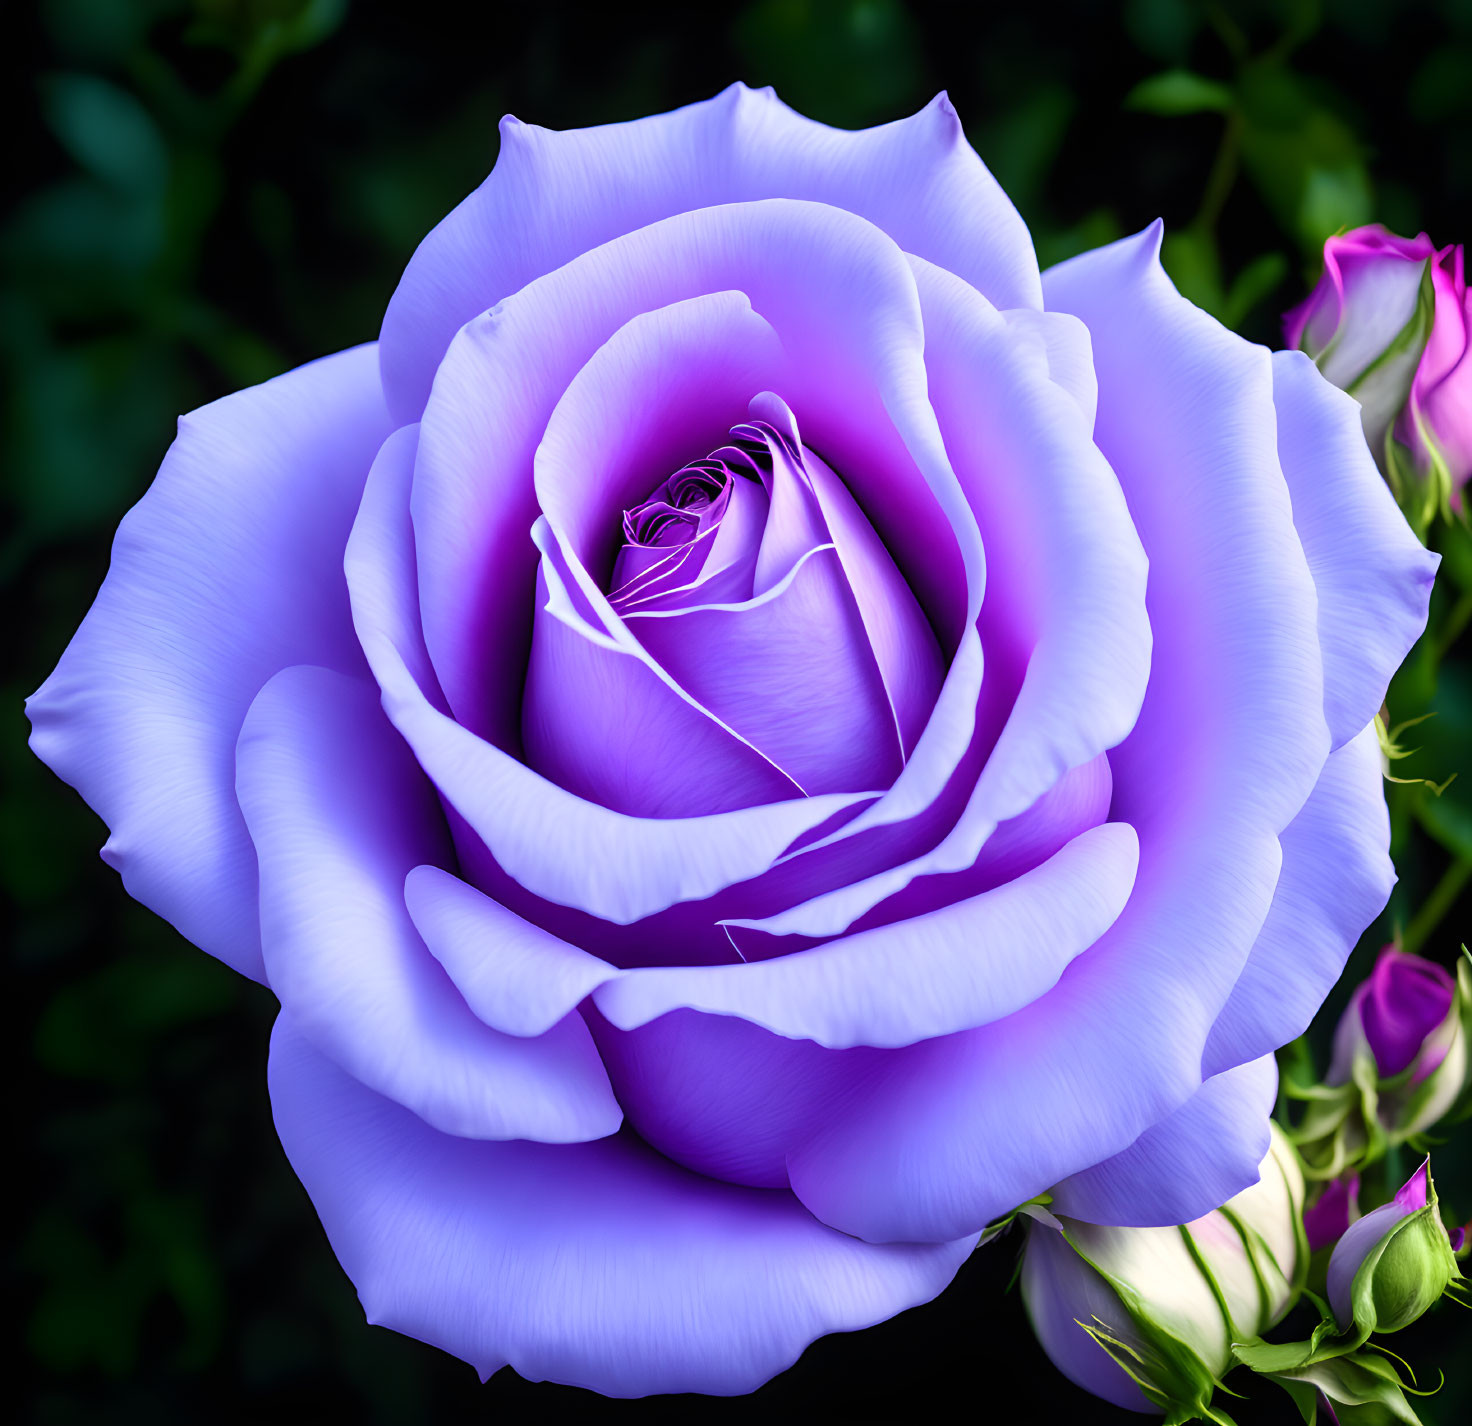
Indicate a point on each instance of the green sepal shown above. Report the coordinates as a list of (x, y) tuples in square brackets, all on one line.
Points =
[(1343, 1129), (1169, 1372), (1340, 1132), (998, 1226), (1363, 1388), (1323, 1344), (1422, 1229)]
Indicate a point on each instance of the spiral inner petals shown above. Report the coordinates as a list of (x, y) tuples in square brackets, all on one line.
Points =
[(732, 580)]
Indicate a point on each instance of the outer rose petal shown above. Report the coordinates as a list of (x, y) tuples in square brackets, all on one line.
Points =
[(228, 569), (553, 195), (1373, 576), (339, 814), (513, 975), (600, 1265), (1336, 879), (1164, 1177)]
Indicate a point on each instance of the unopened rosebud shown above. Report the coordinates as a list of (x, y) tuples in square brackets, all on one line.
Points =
[(1394, 1263), (1389, 322), (1146, 1317), (1407, 1016)]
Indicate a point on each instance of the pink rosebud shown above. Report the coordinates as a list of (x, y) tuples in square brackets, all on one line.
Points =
[(1406, 1016), (1329, 1218), (1389, 322)]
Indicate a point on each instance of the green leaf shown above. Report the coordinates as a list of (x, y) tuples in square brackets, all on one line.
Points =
[(1255, 282), (1189, 256), (1303, 159), (106, 130), (1179, 91)]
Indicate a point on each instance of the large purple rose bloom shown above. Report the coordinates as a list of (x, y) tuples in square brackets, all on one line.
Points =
[(750, 734)]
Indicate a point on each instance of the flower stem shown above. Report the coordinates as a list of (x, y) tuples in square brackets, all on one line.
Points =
[(1434, 909)]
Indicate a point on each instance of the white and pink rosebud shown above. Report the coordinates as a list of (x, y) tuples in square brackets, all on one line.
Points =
[(1147, 1317)]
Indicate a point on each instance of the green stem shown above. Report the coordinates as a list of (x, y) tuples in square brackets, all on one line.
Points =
[(1434, 909), (1223, 176)]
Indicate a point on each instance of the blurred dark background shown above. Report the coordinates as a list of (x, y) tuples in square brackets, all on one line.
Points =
[(201, 193)]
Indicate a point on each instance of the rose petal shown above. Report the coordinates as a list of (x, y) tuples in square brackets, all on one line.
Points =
[(1163, 1178), (1068, 350), (605, 719), (1062, 1293), (665, 388), (227, 570), (1377, 285), (1063, 547), (723, 1096), (1336, 879), (513, 975), (601, 1265), (792, 672), (1373, 576), (553, 196), (902, 642), (339, 813), (968, 964)]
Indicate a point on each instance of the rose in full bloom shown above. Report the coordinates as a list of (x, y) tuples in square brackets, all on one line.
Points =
[(750, 734), (1390, 321)]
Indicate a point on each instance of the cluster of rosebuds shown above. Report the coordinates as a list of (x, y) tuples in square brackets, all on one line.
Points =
[(1399, 1066), (1153, 1319)]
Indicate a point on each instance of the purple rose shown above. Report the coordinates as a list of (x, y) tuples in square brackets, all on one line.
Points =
[(682, 726), (1390, 321)]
